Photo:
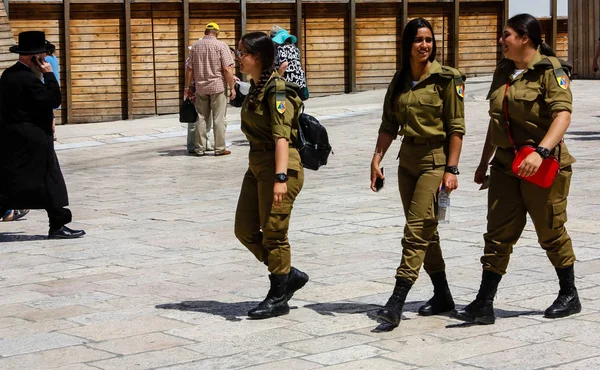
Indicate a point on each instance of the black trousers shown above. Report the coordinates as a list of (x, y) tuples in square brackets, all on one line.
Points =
[(58, 217)]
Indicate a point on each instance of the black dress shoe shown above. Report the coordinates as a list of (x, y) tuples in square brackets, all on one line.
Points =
[(65, 233)]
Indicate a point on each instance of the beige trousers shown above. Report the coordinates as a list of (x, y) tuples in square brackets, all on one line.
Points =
[(211, 106)]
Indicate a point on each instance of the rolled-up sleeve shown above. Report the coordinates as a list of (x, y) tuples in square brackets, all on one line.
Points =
[(557, 98), (454, 110), (389, 124)]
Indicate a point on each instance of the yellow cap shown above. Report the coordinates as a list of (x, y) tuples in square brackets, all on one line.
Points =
[(212, 26)]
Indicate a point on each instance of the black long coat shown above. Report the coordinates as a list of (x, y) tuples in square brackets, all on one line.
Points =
[(30, 175)]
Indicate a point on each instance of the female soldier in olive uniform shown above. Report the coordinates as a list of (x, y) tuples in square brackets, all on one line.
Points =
[(536, 89), (275, 174), (424, 103)]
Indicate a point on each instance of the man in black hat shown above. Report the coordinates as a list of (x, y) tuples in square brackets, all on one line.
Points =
[(29, 170)]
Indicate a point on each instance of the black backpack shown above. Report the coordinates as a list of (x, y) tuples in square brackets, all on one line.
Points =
[(312, 142)]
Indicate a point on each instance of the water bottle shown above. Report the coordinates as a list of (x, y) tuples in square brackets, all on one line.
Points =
[(443, 206)]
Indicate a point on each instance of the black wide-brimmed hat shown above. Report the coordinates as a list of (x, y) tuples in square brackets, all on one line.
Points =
[(32, 42)]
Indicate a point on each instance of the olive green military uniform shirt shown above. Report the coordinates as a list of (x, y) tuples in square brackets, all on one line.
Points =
[(532, 98), (432, 109), (266, 123)]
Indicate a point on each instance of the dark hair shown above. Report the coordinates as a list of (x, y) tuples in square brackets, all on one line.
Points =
[(261, 45), (527, 24), (408, 38)]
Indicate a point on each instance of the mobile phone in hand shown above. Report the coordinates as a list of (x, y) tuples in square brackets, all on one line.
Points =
[(34, 60), (379, 182)]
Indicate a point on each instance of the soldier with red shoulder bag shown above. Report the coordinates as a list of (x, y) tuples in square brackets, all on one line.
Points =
[(530, 111)]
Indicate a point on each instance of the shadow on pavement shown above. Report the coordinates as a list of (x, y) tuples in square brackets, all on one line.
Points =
[(500, 314), (175, 153), (19, 237), (230, 311), (329, 309)]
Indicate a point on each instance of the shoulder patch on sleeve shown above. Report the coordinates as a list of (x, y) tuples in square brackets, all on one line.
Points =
[(280, 96), (460, 86), (561, 78)]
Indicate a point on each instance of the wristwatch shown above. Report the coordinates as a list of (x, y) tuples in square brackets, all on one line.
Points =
[(281, 177), (452, 169), (543, 152)]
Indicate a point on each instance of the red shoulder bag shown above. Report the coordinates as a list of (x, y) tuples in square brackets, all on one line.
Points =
[(546, 173)]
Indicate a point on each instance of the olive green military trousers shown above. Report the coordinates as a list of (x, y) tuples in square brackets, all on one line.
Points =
[(420, 173), (259, 225), (510, 199)]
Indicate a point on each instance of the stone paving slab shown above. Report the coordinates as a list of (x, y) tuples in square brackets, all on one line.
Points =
[(160, 281)]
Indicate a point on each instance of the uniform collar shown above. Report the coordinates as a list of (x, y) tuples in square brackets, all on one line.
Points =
[(538, 59), (434, 68)]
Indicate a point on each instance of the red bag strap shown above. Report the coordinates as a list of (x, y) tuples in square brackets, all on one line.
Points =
[(512, 142), (505, 108)]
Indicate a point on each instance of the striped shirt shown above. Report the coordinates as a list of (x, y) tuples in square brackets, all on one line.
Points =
[(209, 57)]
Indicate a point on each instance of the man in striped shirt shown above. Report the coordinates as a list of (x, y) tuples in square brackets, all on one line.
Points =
[(212, 70)]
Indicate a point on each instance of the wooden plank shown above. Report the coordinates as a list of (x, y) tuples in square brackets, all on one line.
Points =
[(554, 11), (243, 17), (128, 61), (67, 57), (299, 31), (455, 33), (186, 28), (352, 46), (404, 14)]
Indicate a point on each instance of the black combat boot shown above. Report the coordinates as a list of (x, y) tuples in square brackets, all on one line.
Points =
[(296, 280), (392, 311), (275, 304), (442, 298), (567, 302), (481, 310)]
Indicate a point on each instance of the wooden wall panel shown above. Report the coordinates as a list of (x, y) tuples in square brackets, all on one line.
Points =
[(562, 33), (167, 28), (226, 15), (7, 39), (98, 73), (47, 18), (584, 32), (261, 17), (378, 44), (326, 48), (480, 29), (142, 61), (440, 17)]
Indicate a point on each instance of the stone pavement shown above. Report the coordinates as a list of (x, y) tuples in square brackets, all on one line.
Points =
[(161, 282)]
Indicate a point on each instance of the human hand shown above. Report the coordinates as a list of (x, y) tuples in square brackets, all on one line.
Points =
[(376, 171), (449, 182), (480, 172), (279, 192), (41, 64), (232, 94), (187, 93), (530, 165)]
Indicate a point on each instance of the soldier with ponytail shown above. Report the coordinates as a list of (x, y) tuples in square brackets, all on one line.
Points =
[(275, 174), (530, 105)]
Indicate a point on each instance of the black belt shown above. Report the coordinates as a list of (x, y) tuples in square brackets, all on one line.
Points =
[(422, 141), (264, 147)]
